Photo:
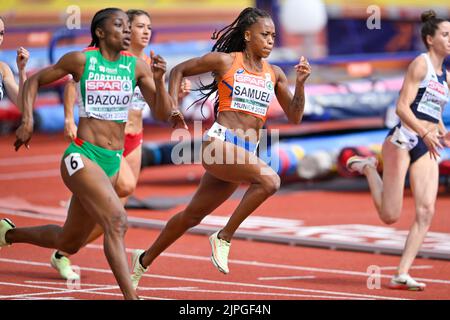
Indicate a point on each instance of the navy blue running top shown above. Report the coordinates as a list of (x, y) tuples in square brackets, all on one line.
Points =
[(432, 95)]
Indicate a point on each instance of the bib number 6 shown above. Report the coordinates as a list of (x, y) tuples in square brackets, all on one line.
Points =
[(73, 163)]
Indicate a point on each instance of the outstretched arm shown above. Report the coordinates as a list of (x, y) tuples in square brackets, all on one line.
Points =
[(293, 106), (71, 63)]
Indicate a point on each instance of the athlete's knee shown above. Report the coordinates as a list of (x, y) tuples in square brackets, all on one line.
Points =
[(190, 218), (390, 215), (69, 247), (271, 183), (125, 188), (116, 224), (424, 215)]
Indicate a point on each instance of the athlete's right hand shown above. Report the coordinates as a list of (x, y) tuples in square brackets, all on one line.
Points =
[(22, 58), (158, 66), (177, 119), (70, 130), (431, 139), (23, 135), (303, 70)]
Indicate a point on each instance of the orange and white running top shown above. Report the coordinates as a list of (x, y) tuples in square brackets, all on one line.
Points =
[(243, 91)]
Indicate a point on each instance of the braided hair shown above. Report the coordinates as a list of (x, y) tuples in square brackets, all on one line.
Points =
[(230, 39), (97, 22), (430, 25)]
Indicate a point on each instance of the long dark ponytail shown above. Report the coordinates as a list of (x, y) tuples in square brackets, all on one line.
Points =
[(98, 20), (230, 39)]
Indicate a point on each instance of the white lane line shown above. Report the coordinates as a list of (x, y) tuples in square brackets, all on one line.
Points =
[(299, 268), (30, 160), (29, 174), (251, 263), (64, 291), (46, 298), (278, 266), (40, 216), (63, 283), (292, 295), (189, 289), (287, 278), (412, 267), (214, 282), (58, 290)]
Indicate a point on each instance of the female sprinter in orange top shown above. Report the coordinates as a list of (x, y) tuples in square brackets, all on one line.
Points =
[(246, 83), (107, 76), (414, 144), (141, 32)]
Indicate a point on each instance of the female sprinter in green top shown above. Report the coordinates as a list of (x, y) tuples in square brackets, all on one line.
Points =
[(106, 76), (130, 167)]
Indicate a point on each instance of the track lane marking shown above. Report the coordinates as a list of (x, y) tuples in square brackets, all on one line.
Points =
[(229, 283)]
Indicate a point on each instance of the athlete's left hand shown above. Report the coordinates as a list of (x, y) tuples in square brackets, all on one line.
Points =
[(303, 69), (22, 58), (185, 88), (445, 139), (158, 66), (177, 119), (433, 143), (23, 135)]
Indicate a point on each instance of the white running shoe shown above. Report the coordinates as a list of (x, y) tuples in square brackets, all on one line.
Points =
[(138, 269), (63, 266), (5, 226), (357, 163), (219, 252), (405, 282)]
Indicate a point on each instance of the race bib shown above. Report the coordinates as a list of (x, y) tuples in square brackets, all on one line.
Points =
[(217, 131), (252, 94), (73, 163), (139, 102), (433, 100), (108, 99)]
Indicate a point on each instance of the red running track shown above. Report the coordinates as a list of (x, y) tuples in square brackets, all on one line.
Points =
[(258, 270)]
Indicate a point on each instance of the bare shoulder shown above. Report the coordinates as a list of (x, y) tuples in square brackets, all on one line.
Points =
[(277, 70), (142, 68), (220, 58), (6, 72), (73, 63), (417, 69), (3, 67), (76, 57), (280, 76), (218, 62), (141, 63)]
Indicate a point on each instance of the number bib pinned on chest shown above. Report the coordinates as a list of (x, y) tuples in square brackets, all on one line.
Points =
[(252, 94), (433, 100), (108, 99)]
